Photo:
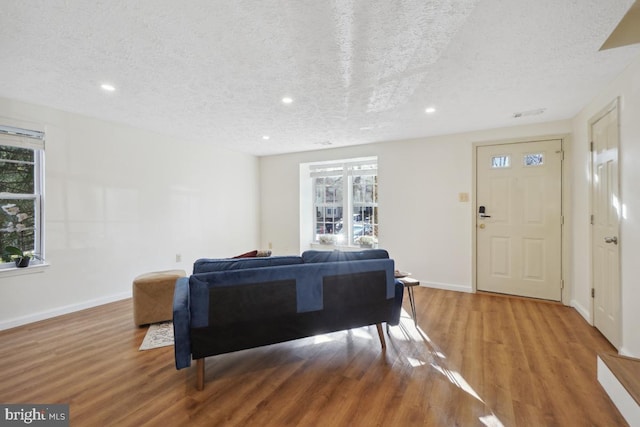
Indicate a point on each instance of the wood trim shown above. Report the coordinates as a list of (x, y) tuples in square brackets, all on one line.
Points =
[(626, 370), (499, 295)]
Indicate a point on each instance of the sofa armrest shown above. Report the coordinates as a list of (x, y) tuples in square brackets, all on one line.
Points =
[(397, 303), (181, 323)]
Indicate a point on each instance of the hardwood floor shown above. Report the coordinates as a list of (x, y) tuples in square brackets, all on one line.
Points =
[(474, 360)]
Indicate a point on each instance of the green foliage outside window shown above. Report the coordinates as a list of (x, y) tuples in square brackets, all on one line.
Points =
[(17, 199)]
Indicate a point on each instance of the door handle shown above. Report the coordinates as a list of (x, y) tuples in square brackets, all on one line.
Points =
[(481, 212), (613, 240)]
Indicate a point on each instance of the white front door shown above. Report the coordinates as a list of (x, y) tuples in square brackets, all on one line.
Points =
[(519, 219), (606, 211)]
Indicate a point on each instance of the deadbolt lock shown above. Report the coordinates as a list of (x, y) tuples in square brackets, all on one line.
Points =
[(613, 240), (482, 226)]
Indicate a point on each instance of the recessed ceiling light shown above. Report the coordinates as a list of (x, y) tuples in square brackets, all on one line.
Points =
[(430, 110), (265, 137), (108, 87), (287, 100)]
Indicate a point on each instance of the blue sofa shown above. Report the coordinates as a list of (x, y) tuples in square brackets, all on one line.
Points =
[(228, 305)]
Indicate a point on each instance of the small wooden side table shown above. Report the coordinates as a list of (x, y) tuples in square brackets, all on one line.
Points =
[(409, 284)]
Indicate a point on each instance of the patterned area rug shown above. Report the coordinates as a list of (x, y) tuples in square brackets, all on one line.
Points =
[(158, 335)]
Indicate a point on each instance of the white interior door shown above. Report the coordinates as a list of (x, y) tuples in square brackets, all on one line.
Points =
[(519, 219), (606, 206)]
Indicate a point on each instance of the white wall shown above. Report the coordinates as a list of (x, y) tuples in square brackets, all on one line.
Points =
[(122, 201), (423, 225), (627, 88), (428, 232), (119, 202)]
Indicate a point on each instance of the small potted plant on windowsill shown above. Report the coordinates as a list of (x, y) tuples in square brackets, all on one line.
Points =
[(367, 241), (327, 239), (21, 258)]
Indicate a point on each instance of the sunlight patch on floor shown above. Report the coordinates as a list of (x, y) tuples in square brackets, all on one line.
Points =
[(407, 330), (415, 362), (458, 380), (362, 333), (319, 339), (491, 421)]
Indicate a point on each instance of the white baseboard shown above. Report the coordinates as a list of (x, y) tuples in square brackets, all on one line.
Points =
[(583, 311), (625, 352), (35, 317), (618, 394), (446, 286)]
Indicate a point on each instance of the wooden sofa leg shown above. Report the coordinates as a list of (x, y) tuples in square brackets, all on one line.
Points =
[(381, 335), (200, 374)]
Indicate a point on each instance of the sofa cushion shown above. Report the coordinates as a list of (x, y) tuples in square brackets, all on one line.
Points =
[(313, 256), (205, 265)]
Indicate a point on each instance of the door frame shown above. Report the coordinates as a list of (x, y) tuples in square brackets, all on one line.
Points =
[(565, 229), (615, 104)]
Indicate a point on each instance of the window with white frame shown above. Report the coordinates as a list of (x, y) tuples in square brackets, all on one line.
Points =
[(21, 192), (345, 202)]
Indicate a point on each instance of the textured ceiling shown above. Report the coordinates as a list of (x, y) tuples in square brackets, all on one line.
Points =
[(359, 71)]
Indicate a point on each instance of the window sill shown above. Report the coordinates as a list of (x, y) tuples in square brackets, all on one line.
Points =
[(15, 271), (324, 247)]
